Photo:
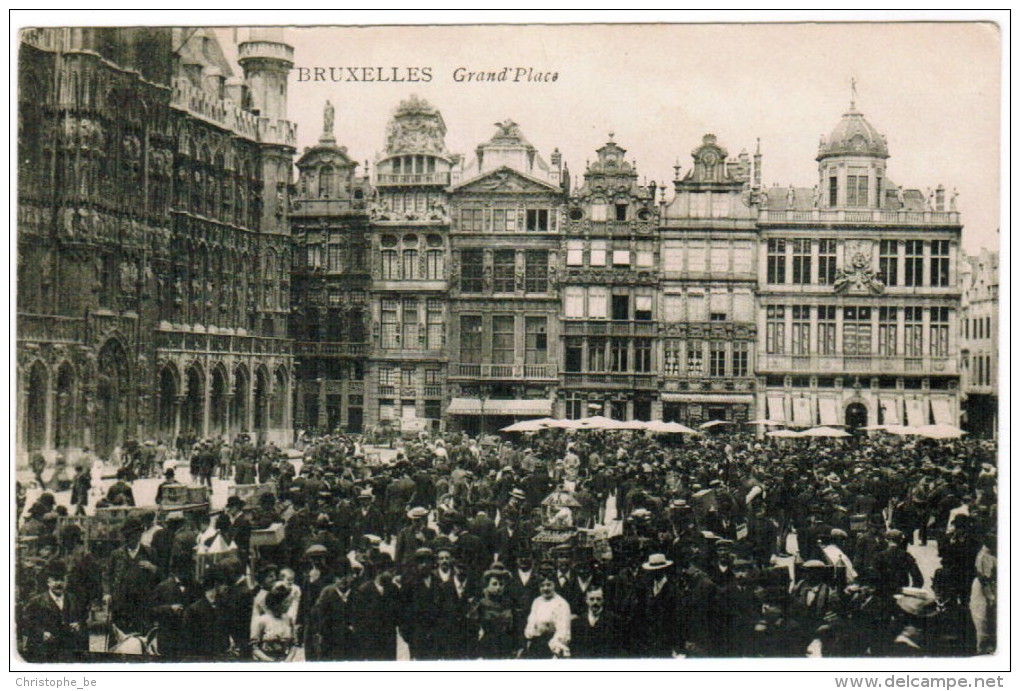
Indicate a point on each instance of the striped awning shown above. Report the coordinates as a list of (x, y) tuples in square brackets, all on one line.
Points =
[(493, 406), (671, 397)]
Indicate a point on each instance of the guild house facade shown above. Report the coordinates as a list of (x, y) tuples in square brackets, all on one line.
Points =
[(179, 272), (153, 240)]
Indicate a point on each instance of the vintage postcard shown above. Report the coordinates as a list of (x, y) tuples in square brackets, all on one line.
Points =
[(656, 343)]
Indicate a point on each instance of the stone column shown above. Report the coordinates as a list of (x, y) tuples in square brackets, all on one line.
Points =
[(206, 391), (178, 404)]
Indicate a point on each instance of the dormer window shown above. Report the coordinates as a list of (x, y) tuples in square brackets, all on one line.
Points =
[(327, 182), (621, 212), (857, 188)]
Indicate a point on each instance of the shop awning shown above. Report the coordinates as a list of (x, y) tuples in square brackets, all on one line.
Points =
[(890, 411), (671, 397), (917, 413), (492, 406), (942, 412), (803, 415), (777, 411), (827, 411)]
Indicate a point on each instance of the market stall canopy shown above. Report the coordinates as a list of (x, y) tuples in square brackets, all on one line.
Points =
[(529, 425), (564, 424), (830, 432), (636, 425), (874, 428), (900, 430), (941, 431), (767, 423), (713, 423), (660, 427), (598, 422), (784, 434)]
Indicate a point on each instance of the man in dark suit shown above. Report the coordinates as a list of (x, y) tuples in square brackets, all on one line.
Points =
[(656, 628), (48, 628), (206, 634), (236, 527), (375, 611), (170, 599), (331, 626), (421, 608), (595, 634), (456, 634), (131, 578), (522, 589), (367, 520), (237, 601)]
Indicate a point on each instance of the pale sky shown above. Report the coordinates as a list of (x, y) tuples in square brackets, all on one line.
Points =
[(931, 88)]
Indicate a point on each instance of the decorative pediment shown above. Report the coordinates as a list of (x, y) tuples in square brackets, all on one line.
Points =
[(505, 181)]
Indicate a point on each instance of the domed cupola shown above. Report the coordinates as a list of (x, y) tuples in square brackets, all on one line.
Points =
[(853, 136)]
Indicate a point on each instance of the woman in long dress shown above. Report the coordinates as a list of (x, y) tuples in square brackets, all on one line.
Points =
[(273, 630), (548, 627)]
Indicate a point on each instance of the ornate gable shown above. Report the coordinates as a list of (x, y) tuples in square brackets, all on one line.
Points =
[(505, 181)]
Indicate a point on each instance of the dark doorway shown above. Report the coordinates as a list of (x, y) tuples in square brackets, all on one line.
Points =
[(856, 416)]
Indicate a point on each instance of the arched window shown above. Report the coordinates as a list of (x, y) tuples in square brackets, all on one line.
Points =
[(327, 182)]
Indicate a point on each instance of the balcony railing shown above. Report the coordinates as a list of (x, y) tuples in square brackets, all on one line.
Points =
[(870, 216), (466, 370), (413, 179), (222, 343), (433, 391), (611, 227), (630, 380), (857, 364), (331, 349), (609, 328)]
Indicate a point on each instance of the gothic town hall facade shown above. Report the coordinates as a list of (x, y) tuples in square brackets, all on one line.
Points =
[(183, 270)]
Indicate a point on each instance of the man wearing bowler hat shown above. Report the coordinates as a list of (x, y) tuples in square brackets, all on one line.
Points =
[(131, 579), (48, 625)]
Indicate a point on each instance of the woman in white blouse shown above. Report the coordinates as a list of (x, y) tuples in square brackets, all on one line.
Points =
[(548, 627)]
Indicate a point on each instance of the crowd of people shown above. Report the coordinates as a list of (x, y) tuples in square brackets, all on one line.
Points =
[(555, 544)]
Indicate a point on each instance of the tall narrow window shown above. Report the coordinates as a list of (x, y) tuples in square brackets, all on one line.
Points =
[(572, 353), (597, 354), (643, 308), (776, 261), (390, 269), (856, 330), (775, 329), (827, 330), (535, 340), (717, 359), (643, 355), (435, 266), (598, 253), (434, 324), (409, 321), (739, 359), (695, 359), (912, 332), (938, 341), (801, 337), (913, 269), (503, 339), (802, 262), (621, 307), (940, 263), (471, 339), (327, 182), (390, 323), (888, 262), (503, 271), (887, 331), (671, 350), (536, 271), (826, 262), (410, 265), (471, 271), (618, 350), (833, 191), (857, 189), (597, 299), (573, 302)]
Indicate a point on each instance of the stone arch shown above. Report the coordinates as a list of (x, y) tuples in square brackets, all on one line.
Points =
[(65, 410), (219, 389), (193, 404), (262, 397), (278, 406), (239, 403), (113, 388), (168, 384), (855, 415), (37, 384)]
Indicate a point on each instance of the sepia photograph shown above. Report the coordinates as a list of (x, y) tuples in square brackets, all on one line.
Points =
[(506, 342)]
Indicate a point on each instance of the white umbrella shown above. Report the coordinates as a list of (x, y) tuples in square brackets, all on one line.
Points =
[(940, 431), (598, 422), (825, 432), (637, 425), (660, 427), (713, 423), (564, 424), (527, 426), (784, 434), (874, 428), (900, 430), (769, 423)]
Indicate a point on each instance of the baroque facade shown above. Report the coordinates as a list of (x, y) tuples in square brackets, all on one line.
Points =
[(150, 183), (979, 354)]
